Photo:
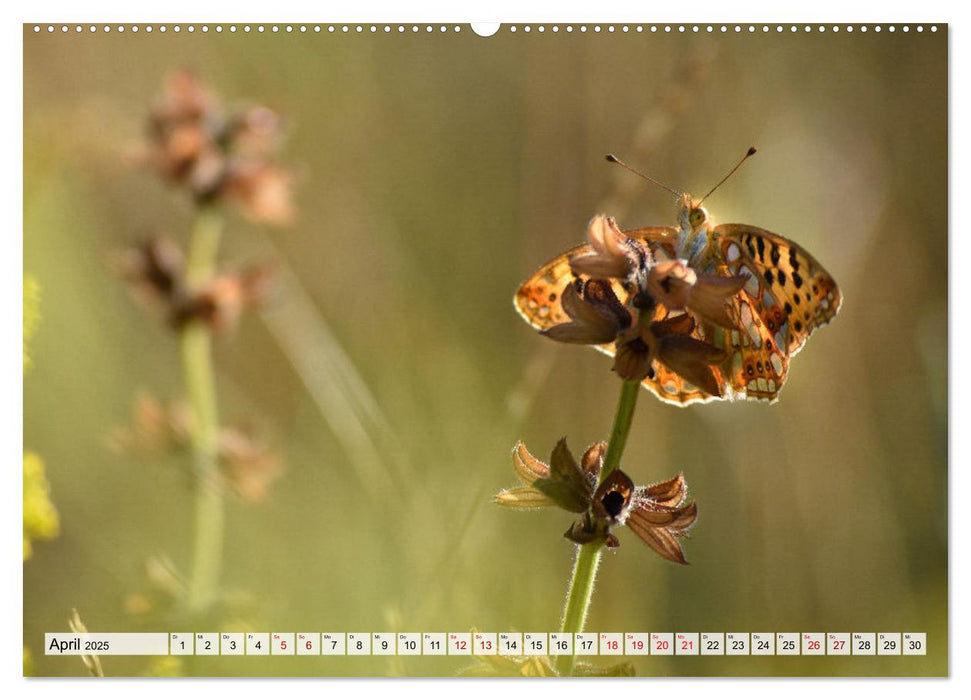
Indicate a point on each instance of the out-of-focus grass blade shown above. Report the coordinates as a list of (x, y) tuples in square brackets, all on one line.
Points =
[(333, 382)]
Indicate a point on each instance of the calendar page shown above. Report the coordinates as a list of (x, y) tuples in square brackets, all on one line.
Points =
[(461, 350)]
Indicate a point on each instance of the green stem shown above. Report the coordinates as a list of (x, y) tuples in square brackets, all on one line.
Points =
[(203, 246), (200, 385), (622, 422), (578, 597), (588, 556)]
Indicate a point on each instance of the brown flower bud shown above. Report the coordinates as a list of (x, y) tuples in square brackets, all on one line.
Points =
[(248, 466), (256, 132), (221, 302), (154, 428), (154, 268), (263, 192), (636, 351), (562, 482), (611, 256), (678, 287), (692, 359), (711, 298), (660, 522), (670, 282), (595, 317)]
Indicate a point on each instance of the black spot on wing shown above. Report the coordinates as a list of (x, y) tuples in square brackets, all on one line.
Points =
[(793, 260)]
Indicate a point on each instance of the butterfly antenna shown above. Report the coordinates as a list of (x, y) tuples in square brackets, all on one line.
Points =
[(611, 158), (751, 152)]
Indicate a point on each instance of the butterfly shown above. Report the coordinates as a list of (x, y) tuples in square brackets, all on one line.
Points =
[(787, 296)]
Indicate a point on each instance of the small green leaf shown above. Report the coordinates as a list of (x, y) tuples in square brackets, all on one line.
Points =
[(567, 485)]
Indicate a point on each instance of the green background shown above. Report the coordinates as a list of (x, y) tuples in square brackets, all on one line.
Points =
[(436, 172)]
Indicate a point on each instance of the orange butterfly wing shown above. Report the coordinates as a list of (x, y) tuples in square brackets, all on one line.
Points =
[(788, 295), (665, 237), (795, 295), (755, 367), (538, 301)]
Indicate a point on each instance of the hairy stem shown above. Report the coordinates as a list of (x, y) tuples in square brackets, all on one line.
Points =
[(588, 556), (200, 385), (622, 422)]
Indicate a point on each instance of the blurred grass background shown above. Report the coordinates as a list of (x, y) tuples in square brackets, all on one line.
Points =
[(437, 172)]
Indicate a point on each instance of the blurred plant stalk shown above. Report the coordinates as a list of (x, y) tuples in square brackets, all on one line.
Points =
[(588, 555), (200, 385)]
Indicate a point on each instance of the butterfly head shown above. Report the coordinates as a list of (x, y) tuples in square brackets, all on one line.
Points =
[(692, 216), (697, 217), (694, 224)]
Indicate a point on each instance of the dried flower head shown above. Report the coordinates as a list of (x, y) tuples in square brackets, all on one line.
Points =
[(596, 314), (608, 507), (247, 465), (613, 255), (597, 317), (562, 482), (221, 301), (626, 296), (262, 191), (156, 271), (155, 268), (193, 144), (182, 126), (659, 514), (678, 287), (672, 283), (256, 131), (245, 462), (154, 428), (671, 343)]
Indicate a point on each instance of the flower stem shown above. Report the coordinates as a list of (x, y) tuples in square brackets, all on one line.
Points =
[(622, 422), (588, 555), (200, 385)]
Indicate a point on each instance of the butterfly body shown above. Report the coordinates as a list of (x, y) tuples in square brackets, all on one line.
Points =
[(786, 296)]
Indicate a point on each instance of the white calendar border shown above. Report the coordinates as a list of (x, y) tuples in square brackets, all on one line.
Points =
[(362, 10)]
